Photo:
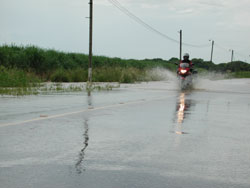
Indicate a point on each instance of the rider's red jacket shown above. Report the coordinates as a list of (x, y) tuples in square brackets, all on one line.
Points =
[(187, 61)]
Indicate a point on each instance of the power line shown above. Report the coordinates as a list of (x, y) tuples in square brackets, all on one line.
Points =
[(149, 27), (241, 55), (139, 21), (132, 16), (235, 52), (221, 47)]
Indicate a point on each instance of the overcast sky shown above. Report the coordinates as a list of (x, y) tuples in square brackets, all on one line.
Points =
[(61, 24)]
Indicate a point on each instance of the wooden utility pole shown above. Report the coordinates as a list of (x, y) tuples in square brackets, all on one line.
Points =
[(180, 45), (90, 40), (232, 56), (212, 51)]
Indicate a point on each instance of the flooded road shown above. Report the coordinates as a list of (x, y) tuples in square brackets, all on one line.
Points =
[(141, 135)]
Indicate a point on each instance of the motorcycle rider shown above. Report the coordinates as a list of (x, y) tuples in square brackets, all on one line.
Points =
[(186, 60)]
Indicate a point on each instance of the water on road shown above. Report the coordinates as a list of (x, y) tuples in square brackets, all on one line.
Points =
[(141, 135)]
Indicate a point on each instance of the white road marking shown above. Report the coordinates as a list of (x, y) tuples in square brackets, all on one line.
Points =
[(82, 111)]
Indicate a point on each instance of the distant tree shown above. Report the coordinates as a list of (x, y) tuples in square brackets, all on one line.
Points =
[(173, 60)]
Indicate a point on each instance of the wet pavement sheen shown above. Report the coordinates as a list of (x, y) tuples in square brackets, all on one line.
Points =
[(142, 135)]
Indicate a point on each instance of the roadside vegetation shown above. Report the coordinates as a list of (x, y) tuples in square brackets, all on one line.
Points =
[(241, 74), (29, 66), (51, 65)]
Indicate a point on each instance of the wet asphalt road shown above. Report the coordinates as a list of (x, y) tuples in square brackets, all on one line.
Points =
[(143, 135)]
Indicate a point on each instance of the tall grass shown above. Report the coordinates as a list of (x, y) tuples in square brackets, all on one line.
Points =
[(42, 61), (102, 74), (26, 63), (17, 78)]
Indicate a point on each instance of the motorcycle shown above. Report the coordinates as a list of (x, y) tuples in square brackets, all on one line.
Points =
[(184, 75)]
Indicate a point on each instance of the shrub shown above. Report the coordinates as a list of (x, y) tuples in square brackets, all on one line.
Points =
[(17, 78), (60, 75)]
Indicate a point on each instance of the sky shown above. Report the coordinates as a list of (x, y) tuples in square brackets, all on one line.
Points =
[(62, 25)]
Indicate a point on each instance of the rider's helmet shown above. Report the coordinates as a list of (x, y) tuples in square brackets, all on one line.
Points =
[(186, 56)]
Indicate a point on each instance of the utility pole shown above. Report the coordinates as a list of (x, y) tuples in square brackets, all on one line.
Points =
[(90, 40), (232, 56), (180, 44), (212, 51)]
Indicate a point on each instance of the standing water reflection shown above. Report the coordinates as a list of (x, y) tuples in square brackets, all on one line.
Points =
[(182, 111)]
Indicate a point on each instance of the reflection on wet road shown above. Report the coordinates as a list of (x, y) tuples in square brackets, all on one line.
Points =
[(183, 109), (129, 137)]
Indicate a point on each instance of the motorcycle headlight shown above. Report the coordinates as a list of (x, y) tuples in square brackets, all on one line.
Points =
[(183, 71)]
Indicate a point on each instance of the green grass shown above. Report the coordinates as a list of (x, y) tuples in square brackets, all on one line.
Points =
[(105, 74), (17, 78), (45, 62), (23, 68), (18, 82), (242, 74), (19, 91)]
